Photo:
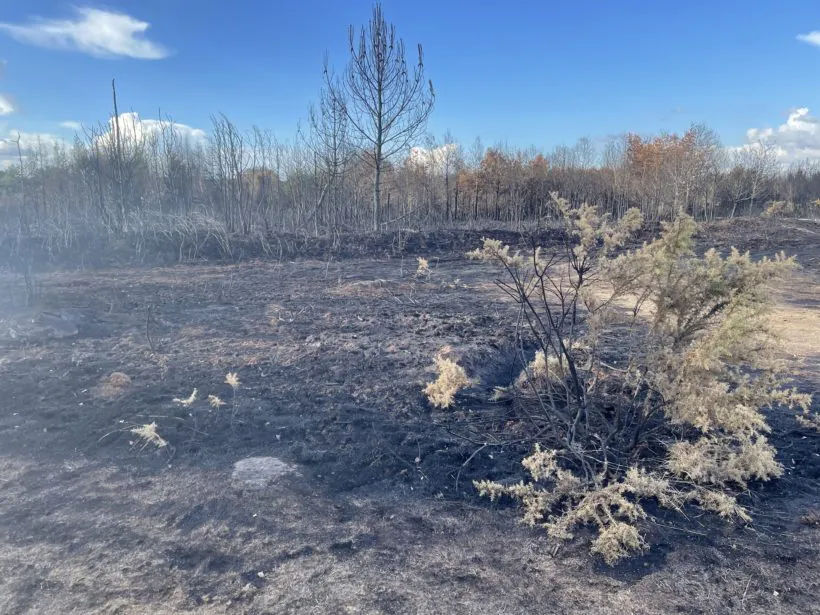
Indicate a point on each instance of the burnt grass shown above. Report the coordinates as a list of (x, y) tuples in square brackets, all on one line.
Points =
[(381, 515)]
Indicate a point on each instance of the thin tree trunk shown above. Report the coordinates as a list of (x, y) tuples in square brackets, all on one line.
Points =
[(377, 180)]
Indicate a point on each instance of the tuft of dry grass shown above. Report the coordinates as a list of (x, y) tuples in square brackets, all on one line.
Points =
[(148, 435), (188, 401), (232, 380), (423, 269), (808, 419), (215, 402), (541, 373), (451, 379)]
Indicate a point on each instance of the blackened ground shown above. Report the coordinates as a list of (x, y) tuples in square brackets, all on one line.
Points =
[(381, 517)]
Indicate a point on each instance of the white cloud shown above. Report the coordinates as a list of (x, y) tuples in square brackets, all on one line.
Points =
[(134, 129), (435, 158), (30, 143), (812, 38), (6, 107), (796, 140), (95, 32)]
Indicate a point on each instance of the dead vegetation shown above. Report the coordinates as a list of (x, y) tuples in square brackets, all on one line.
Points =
[(423, 269), (451, 379), (187, 401), (147, 434), (653, 391), (113, 386), (382, 516)]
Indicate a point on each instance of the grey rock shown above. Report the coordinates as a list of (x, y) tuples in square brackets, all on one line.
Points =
[(260, 472)]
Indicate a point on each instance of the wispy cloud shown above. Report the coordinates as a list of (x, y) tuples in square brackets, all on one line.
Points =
[(75, 126), (95, 32), (6, 106), (812, 38)]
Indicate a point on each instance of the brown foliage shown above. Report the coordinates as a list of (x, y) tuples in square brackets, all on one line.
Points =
[(114, 385)]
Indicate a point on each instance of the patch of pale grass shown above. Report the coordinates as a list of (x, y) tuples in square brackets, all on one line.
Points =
[(119, 379), (365, 288)]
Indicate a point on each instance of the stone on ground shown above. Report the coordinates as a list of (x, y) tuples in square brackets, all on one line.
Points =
[(259, 472)]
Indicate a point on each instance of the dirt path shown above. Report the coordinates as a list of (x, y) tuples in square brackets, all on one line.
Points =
[(796, 320), (331, 357)]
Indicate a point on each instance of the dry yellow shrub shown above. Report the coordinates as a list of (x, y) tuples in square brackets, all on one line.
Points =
[(541, 372), (423, 269), (809, 419), (617, 540), (692, 367), (493, 251), (778, 208), (451, 379)]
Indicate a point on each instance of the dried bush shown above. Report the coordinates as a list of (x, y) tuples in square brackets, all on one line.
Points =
[(652, 369), (778, 208), (112, 386)]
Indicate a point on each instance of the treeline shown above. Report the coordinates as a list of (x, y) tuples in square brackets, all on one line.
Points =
[(357, 165), (125, 176)]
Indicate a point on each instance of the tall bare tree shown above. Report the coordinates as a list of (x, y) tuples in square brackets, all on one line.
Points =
[(452, 161), (387, 105)]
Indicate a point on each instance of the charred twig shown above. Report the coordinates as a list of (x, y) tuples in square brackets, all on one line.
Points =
[(148, 328), (469, 459)]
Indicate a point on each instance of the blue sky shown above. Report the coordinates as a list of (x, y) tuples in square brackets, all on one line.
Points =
[(528, 73)]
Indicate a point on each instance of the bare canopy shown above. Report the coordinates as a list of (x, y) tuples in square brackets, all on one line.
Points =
[(386, 105)]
